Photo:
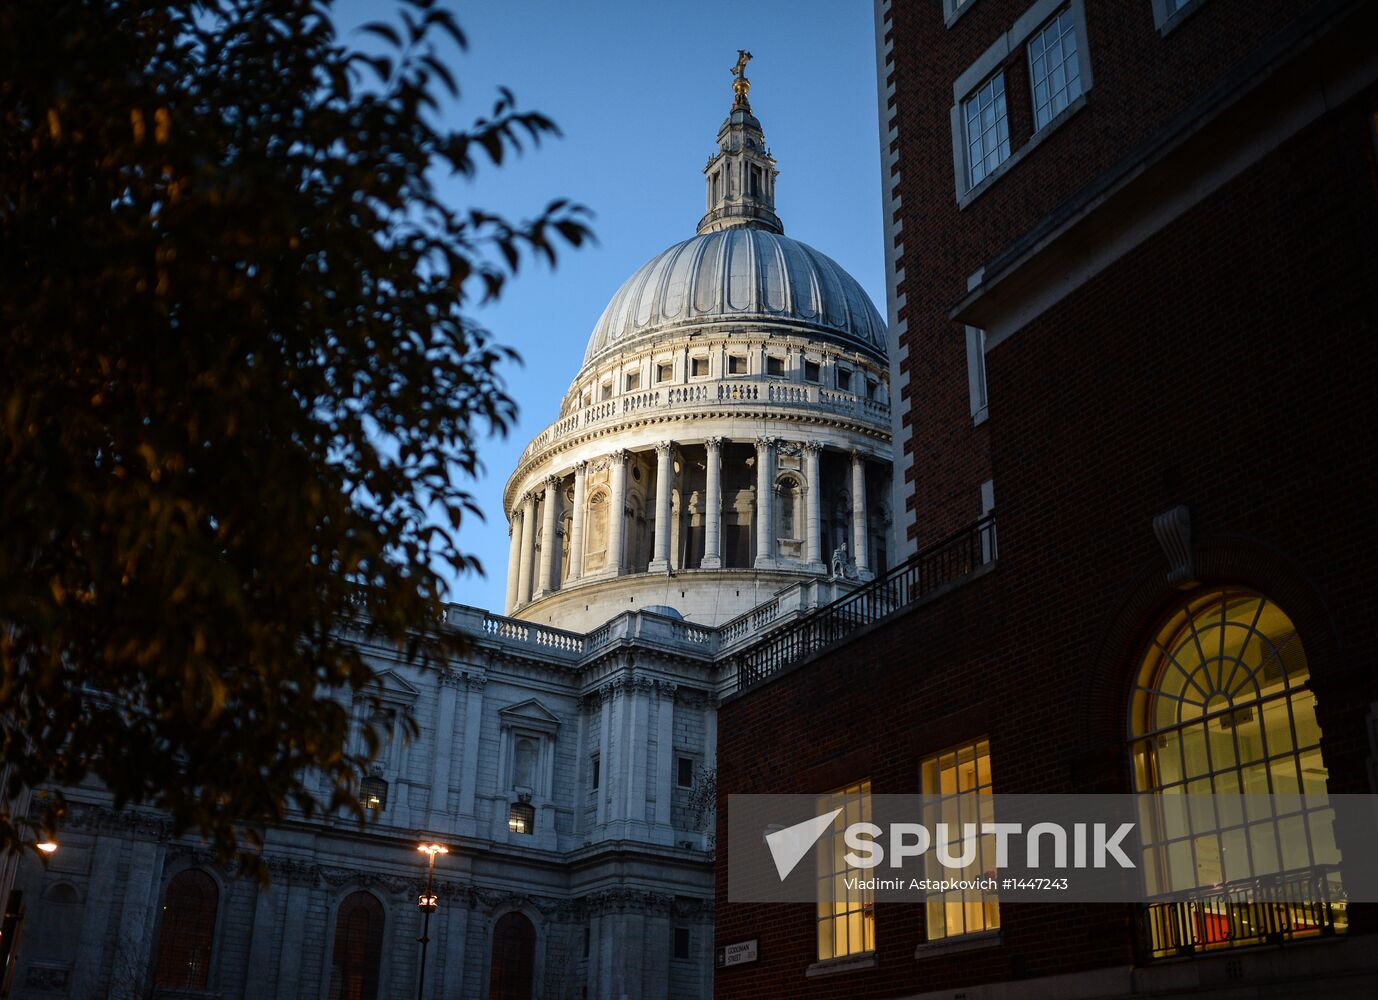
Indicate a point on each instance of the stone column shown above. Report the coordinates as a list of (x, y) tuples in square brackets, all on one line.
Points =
[(528, 549), (576, 522), (813, 505), (660, 561), (441, 762), (514, 560), (469, 765), (665, 758), (638, 725), (617, 510), (712, 506), (859, 545), (765, 502), (605, 744), (548, 543)]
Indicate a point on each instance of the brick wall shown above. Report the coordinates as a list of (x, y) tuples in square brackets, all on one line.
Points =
[(1228, 363)]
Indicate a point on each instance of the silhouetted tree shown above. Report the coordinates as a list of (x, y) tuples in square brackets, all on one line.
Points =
[(238, 396)]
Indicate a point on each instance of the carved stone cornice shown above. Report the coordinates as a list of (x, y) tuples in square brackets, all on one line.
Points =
[(93, 818)]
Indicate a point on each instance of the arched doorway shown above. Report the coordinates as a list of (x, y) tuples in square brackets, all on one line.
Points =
[(358, 948), (514, 957), (188, 931)]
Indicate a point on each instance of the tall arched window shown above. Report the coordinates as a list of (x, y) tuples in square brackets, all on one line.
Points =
[(596, 532), (187, 931), (787, 510), (358, 948), (1222, 706), (514, 955)]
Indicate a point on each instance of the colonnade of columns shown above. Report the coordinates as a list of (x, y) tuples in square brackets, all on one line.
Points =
[(531, 576)]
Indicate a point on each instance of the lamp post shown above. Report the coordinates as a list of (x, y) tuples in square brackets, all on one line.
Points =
[(427, 903)]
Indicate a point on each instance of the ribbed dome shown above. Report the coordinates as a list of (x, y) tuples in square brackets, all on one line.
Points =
[(739, 274)]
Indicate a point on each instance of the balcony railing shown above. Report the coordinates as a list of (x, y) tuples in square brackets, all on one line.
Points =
[(1275, 910), (946, 562)]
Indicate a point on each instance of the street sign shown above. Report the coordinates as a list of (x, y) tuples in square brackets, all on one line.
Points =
[(737, 954)]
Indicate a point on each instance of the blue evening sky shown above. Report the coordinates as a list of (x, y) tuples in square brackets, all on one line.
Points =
[(639, 90)]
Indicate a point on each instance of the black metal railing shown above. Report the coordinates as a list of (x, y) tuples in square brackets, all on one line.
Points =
[(1275, 910), (947, 561)]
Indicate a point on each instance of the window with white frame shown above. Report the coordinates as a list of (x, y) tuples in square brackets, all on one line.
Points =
[(1054, 69), (987, 128), (1050, 37)]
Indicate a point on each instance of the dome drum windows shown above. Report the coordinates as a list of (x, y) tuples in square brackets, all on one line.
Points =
[(1222, 706)]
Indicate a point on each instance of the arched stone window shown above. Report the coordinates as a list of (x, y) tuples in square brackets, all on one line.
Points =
[(358, 948), (787, 513), (514, 955), (596, 532), (187, 931), (1222, 706)]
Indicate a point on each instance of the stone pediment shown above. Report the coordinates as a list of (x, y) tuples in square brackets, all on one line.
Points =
[(390, 688), (530, 714)]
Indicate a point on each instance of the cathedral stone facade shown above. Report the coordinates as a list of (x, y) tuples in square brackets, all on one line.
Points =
[(719, 468)]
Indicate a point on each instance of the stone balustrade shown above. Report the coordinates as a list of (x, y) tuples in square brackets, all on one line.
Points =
[(704, 397)]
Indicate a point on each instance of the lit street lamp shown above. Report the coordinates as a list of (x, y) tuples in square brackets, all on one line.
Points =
[(427, 903)]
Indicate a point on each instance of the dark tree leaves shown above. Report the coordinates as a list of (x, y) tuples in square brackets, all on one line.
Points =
[(238, 397)]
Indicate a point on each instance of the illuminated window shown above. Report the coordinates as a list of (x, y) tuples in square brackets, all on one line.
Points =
[(521, 818), (1222, 706), (957, 789), (187, 931), (987, 128), (373, 794), (846, 917), (1053, 67)]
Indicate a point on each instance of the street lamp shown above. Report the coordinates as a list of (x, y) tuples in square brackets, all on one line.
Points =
[(426, 902)]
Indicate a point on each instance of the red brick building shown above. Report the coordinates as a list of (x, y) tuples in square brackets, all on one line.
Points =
[(1133, 252)]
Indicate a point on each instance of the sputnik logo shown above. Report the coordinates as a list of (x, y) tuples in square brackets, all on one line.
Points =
[(788, 846)]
